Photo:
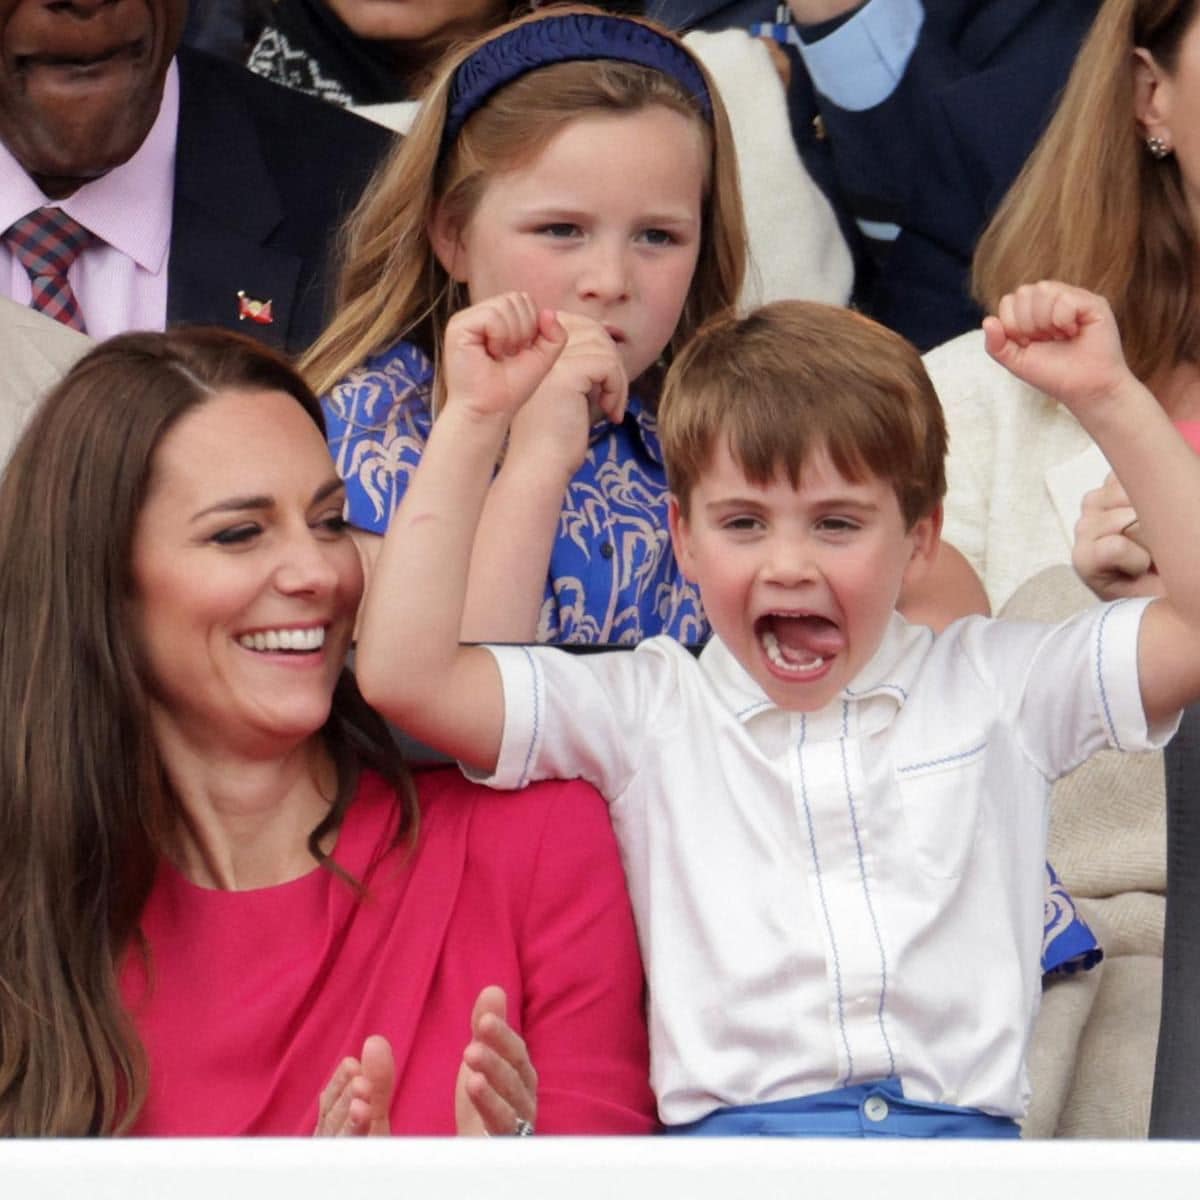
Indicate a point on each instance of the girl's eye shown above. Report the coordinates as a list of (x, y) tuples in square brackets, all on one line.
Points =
[(236, 535), (560, 229), (658, 237)]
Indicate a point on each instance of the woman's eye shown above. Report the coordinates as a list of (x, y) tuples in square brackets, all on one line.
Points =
[(334, 523), (235, 535)]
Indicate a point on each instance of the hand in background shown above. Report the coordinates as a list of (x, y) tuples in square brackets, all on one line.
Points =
[(1107, 554)]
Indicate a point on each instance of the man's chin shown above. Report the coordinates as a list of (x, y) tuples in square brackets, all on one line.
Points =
[(77, 132)]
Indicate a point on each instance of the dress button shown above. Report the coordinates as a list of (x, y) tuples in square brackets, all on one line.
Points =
[(875, 1108), (606, 550)]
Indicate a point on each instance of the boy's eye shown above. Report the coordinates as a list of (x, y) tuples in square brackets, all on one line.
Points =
[(837, 525), (743, 524), (236, 535)]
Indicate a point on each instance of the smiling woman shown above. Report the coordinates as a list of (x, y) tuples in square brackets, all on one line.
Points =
[(222, 889)]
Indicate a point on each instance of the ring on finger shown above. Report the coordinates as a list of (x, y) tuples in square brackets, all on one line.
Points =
[(522, 1128)]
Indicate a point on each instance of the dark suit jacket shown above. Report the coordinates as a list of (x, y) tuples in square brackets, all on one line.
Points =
[(263, 178), (938, 154), (1175, 1106), (686, 15)]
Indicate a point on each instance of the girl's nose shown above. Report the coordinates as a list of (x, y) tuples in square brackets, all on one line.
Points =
[(605, 275)]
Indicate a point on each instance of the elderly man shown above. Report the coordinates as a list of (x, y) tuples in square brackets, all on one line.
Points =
[(140, 187)]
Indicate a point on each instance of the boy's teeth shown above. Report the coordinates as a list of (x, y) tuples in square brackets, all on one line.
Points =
[(785, 659), (299, 640)]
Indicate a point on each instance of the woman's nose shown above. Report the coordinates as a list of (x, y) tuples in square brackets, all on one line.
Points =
[(306, 566)]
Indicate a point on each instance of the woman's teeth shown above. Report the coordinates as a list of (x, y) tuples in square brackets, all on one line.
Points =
[(788, 660), (309, 639)]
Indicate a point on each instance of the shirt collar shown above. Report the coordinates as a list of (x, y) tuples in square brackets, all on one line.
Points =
[(640, 421), (129, 207), (867, 704)]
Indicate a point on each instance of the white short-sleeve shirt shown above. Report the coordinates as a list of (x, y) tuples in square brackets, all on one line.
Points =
[(841, 896)]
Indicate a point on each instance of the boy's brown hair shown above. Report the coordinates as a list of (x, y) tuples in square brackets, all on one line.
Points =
[(796, 376)]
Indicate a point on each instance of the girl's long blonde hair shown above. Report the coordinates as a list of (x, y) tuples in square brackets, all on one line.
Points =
[(391, 285), (1093, 208)]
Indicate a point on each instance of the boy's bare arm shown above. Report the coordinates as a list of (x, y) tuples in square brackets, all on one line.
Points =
[(410, 664), (1064, 341)]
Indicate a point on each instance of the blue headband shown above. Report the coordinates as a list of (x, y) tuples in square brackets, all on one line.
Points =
[(573, 37)]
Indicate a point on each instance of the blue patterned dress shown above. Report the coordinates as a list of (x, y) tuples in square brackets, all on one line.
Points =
[(612, 576)]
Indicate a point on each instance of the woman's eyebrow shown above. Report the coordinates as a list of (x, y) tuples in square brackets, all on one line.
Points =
[(235, 504)]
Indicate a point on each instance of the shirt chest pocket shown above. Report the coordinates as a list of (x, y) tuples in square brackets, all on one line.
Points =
[(940, 797)]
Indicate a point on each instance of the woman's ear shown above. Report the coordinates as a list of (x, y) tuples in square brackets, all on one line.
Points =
[(445, 236), (1152, 94)]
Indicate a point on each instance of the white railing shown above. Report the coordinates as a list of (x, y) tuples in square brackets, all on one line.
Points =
[(597, 1169)]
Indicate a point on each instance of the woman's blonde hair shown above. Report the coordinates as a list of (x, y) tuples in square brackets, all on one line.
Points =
[(1094, 208), (391, 284)]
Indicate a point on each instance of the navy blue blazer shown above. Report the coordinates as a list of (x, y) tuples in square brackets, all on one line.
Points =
[(686, 15), (263, 178), (937, 156)]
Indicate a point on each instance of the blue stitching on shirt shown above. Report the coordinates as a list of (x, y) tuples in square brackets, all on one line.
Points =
[(938, 762), (812, 842), (536, 718), (1108, 717), (876, 687), (757, 706), (862, 868)]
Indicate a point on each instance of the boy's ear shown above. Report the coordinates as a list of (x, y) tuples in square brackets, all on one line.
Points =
[(926, 535), (681, 538), (446, 239), (1151, 96)]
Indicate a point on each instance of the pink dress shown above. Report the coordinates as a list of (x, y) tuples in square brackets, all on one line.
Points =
[(253, 997)]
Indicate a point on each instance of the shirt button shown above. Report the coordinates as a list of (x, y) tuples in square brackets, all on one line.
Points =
[(876, 1108), (606, 550)]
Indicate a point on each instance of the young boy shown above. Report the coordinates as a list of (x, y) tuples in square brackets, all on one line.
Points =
[(833, 823)]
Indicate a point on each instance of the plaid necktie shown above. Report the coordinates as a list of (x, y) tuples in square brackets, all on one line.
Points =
[(46, 243)]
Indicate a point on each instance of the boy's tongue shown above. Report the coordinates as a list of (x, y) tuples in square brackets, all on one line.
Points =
[(802, 639)]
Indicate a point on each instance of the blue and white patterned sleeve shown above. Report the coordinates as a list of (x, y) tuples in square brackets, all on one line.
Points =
[(377, 422)]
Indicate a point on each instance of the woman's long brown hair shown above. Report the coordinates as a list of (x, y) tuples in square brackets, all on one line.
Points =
[(1092, 207), (85, 806)]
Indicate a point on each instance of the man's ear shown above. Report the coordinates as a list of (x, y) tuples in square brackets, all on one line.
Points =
[(681, 538), (1152, 94), (927, 536), (445, 236)]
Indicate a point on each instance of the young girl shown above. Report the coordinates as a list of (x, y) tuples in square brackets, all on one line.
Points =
[(583, 158)]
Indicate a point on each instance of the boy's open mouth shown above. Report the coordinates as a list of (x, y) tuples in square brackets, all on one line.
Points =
[(798, 643)]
